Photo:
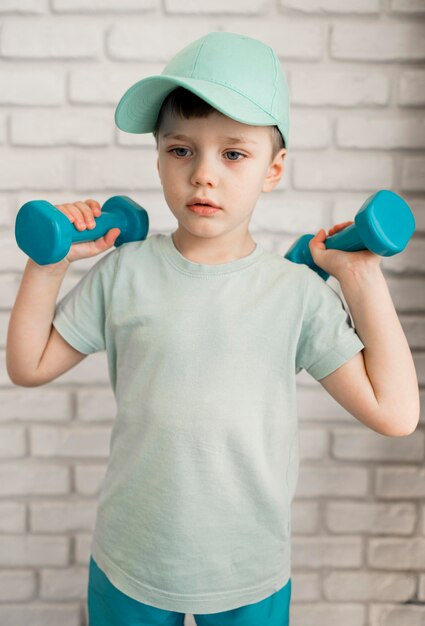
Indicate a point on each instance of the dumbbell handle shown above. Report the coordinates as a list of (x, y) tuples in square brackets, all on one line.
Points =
[(103, 223), (384, 224)]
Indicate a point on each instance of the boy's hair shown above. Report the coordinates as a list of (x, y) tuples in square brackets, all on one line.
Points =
[(186, 104)]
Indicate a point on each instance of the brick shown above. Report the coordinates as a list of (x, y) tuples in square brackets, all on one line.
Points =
[(32, 87), (421, 590), (96, 404), (296, 39), (16, 586), (12, 442), (412, 259), (403, 483), (222, 7), (23, 6), (365, 586), (62, 516), (12, 518), (121, 172), (314, 443), (34, 404), (373, 518), (154, 40), (158, 41), (397, 554), (348, 172), (411, 91), (289, 214), (40, 614), (328, 614), (414, 329), (331, 6), (389, 615), (350, 88), (103, 6), (316, 404), (51, 39), (5, 212), (35, 169), (83, 545), (407, 6), (322, 551), (9, 288), (419, 361), (376, 132), (305, 517), (91, 370), (311, 130), (412, 173), (3, 130), (61, 128), (11, 256), (33, 551), (306, 587), (407, 294), (377, 42), (363, 445), (106, 85), (18, 479), (89, 478), (333, 481), (64, 584), (47, 441)]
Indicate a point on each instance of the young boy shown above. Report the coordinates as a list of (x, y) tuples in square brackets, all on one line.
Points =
[(205, 331)]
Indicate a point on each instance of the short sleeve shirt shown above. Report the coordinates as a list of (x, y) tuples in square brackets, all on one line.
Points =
[(194, 511)]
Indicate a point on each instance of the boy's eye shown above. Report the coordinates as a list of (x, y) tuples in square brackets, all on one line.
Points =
[(234, 152), (179, 155)]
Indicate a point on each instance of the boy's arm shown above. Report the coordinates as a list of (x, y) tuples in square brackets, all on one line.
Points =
[(379, 385), (35, 351)]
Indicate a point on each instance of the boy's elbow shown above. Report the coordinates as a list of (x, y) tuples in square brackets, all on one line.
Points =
[(24, 381), (402, 426)]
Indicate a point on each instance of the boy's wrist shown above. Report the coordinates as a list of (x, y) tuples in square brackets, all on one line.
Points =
[(53, 269)]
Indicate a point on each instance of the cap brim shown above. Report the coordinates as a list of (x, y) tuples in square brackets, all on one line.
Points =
[(139, 107)]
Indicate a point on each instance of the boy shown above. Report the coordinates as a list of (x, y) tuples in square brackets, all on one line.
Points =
[(205, 331)]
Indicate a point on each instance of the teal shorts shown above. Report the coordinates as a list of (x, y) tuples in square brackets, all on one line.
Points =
[(107, 606)]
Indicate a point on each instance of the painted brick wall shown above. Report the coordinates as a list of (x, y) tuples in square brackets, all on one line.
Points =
[(356, 71)]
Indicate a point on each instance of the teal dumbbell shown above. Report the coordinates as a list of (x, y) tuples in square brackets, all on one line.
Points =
[(384, 224), (45, 234)]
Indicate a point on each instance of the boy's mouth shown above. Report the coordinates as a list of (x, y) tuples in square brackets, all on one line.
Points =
[(202, 202)]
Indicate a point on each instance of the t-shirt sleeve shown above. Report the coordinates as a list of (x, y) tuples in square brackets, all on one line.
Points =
[(80, 316), (327, 338)]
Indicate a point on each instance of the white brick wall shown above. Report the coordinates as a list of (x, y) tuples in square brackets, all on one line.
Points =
[(356, 71)]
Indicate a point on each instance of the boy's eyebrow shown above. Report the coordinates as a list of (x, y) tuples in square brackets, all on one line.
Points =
[(239, 139)]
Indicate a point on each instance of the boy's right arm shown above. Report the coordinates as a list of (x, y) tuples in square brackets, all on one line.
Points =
[(35, 352)]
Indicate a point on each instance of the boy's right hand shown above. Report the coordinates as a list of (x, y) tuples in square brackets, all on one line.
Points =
[(82, 215)]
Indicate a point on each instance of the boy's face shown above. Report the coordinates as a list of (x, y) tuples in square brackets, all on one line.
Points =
[(229, 172)]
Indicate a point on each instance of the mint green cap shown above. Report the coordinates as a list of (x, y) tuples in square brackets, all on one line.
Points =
[(237, 75)]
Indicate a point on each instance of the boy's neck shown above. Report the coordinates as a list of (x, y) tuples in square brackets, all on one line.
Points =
[(209, 252)]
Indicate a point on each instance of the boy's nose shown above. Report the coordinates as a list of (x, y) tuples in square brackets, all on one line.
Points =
[(204, 173)]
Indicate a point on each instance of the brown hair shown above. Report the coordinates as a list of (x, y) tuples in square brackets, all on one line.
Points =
[(186, 104)]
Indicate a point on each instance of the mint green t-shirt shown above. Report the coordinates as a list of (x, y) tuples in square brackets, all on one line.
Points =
[(194, 511)]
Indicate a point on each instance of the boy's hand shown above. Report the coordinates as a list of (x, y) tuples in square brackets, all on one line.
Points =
[(82, 214), (337, 262)]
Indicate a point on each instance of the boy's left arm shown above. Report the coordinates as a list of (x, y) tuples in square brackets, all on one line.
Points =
[(379, 385)]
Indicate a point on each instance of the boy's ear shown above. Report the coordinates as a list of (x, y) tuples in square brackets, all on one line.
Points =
[(157, 167), (275, 171)]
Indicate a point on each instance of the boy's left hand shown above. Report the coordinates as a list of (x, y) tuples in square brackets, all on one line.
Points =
[(336, 262)]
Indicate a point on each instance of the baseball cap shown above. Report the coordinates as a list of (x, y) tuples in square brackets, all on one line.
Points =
[(237, 75)]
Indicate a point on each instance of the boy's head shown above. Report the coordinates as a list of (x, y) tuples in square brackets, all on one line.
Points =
[(220, 115), (237, 75)]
